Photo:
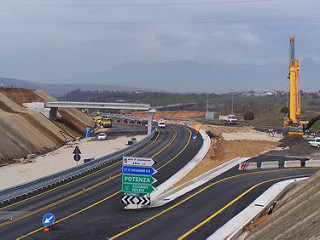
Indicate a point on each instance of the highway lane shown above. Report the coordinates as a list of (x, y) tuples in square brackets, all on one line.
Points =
[(109, 183), (201, 212)]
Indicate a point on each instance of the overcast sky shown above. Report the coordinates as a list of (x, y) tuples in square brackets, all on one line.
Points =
[(46, 41)]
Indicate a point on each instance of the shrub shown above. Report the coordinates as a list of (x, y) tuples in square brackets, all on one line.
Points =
[(248, 115), (284, 110)]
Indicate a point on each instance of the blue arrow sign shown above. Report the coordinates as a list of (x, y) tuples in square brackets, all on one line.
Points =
[(194, 137), (48, 219), (138, 170)]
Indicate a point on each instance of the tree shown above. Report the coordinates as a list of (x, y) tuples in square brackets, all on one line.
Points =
[(284, 110), (248, 115)]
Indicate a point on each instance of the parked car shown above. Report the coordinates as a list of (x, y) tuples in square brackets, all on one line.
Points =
[(102, 136), (315, 142)]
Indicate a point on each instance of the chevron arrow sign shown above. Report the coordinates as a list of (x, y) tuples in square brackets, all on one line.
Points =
[(144, 200)]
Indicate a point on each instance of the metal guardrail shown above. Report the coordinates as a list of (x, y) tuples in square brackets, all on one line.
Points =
[(8, 194)]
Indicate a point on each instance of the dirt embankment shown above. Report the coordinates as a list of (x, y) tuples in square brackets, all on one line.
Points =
[(24, 132), (229, 143)]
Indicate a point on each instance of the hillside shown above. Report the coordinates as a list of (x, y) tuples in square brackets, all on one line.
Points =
[(297, 215), (58, 90), (25, 132)]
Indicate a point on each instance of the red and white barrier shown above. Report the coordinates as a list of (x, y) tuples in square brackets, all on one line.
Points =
[(248, 166)]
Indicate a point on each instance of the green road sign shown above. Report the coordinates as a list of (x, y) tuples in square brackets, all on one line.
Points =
[(137, 188), (128, 178)]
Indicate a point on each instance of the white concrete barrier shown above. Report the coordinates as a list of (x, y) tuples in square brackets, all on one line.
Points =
[(313, 163), (269, 165), (292, 164), (248, 166)]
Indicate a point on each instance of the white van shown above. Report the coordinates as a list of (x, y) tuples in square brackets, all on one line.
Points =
[(161, 124)]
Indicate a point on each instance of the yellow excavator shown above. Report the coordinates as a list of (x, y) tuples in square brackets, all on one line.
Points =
[(291, 124)]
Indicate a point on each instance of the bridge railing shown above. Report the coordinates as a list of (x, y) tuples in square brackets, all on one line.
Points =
[(20, 190)]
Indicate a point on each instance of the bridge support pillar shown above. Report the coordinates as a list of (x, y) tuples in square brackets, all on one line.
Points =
[(53, 113), (150, 114)]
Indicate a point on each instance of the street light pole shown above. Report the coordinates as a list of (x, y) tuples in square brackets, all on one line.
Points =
[(207, 102), (232, 103), (65, 93), (287, 97)]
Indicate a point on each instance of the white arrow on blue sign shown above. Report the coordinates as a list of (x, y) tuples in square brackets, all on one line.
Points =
[(48, 219)]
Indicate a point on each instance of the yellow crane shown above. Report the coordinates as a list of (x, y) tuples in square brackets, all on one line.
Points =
[(292, 125)]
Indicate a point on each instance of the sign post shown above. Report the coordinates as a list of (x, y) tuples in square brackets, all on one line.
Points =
[(137, 180), (76, 153)]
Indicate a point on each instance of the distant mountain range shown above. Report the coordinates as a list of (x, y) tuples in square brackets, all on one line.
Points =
[(58, 90), (209, 76), (185, 76)]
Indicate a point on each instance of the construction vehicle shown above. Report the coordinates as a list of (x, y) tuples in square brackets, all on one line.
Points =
[(228, 120), (291, 124), (106, 122), (98, 119), (85, 111)]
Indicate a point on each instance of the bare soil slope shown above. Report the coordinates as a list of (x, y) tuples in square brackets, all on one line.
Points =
[(229, 143), (24, 132)]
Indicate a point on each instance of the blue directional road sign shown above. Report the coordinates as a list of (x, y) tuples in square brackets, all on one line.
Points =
[(138, 170), (194, 137), (48, 219)]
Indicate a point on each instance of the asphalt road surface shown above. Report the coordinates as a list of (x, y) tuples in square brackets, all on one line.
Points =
[(91, 208), (172, 148)]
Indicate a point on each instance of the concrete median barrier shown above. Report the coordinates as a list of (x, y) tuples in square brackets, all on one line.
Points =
[(292, 164), (313, 163), (248, 166), (270, 165)]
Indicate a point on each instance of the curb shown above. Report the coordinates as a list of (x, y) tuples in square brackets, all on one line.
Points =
[(234, 228)]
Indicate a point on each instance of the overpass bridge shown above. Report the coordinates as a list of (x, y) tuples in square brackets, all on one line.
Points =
[(100, 105)]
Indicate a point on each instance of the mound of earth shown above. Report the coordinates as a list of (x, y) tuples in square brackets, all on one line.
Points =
[(295, 146), (229, 143), (24, 132)]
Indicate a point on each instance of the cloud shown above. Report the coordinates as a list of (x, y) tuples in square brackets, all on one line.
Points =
[(60, 39), (249, 38)]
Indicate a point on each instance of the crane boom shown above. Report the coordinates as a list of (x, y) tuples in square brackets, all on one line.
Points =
[(292, 125), (294, 75)]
